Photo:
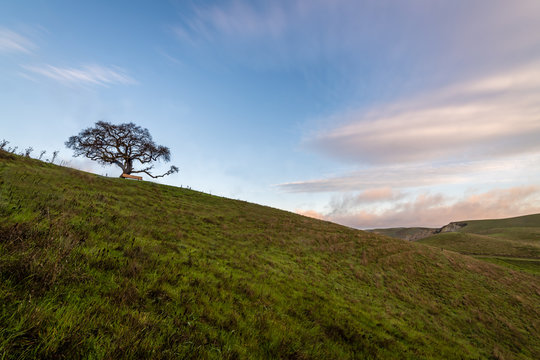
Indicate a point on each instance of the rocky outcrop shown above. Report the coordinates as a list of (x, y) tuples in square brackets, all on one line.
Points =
[(452, 227)]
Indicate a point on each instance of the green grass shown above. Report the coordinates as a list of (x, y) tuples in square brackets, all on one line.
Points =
[(531, 266), (93, 267), (515, 225), (476, 244)]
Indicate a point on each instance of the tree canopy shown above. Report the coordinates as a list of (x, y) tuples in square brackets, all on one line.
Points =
[(123, 145)]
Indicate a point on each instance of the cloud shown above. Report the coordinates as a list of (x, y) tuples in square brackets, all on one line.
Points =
[(86, 75), (411, 176), (243, 19), (344, 203), (481, 128), (436, 210), (491, 117), (311, 214), (375, 195), (361, 33), (293, 32), (12, 42)]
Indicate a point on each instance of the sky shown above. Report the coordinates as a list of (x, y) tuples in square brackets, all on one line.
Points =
[(366, 113)]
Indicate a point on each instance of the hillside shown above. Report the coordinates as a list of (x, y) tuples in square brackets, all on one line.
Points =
[(95, 267)]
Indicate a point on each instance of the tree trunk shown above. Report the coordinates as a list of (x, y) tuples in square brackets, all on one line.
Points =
[(127, 168)]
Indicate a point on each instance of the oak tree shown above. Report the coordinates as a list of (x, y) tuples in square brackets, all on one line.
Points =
[(125, 145)]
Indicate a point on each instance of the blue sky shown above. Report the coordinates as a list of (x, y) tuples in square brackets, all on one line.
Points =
[(367, 113)]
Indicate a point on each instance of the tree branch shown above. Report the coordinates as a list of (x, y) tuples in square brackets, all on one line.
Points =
[(172, 170)]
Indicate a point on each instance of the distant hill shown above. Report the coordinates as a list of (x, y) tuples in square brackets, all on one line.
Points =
[(107, 268), (417, 233), (513, 242)]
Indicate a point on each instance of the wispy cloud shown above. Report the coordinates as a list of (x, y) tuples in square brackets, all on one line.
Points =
[(361, 33), (490, 117), (12, 42), (85, 75), (412, 176), (437, 210), (242, 19), (344, 203), (280, 32)]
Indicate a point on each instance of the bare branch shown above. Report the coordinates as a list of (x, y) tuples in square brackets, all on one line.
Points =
[(120, 145), (172, 170)]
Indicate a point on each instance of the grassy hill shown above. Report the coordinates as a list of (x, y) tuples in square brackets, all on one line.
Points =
[(94, 267)]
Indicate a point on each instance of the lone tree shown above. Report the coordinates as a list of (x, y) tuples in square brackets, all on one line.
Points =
[(121, 145)]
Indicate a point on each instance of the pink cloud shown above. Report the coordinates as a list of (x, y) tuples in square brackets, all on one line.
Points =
[(437, 210), (489, 117), (312, 214), (378, 194)]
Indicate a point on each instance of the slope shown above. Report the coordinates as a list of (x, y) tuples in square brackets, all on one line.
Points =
[(93, 267)]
